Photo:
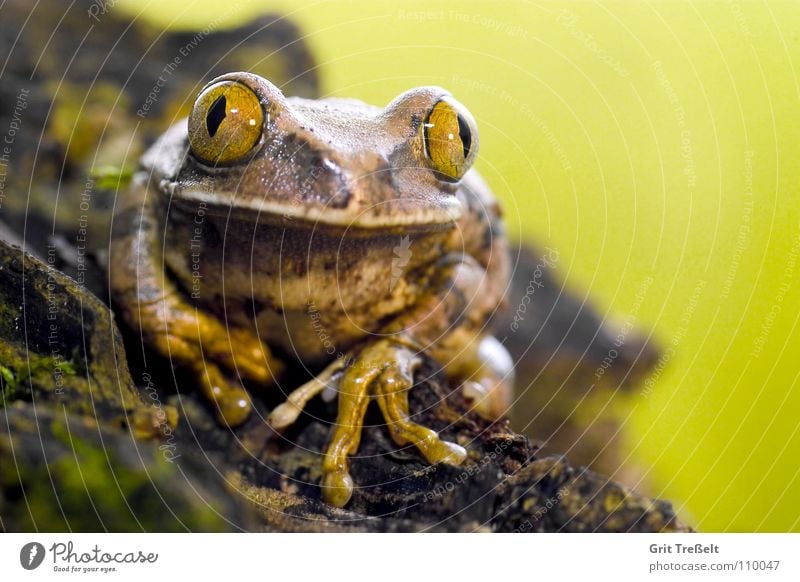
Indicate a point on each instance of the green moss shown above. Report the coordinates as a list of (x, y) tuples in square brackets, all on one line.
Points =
[(8, 385), (20, 374), (111, 178), (92, 485)]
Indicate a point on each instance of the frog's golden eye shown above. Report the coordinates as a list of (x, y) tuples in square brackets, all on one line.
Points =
[(451, 138), (226, 123)]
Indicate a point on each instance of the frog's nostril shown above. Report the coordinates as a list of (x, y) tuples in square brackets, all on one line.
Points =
[(216, 115)]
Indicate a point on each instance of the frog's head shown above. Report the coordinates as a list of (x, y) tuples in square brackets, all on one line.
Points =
[(333, 161)]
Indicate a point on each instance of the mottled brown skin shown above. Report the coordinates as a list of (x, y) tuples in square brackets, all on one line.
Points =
[(302, 254)]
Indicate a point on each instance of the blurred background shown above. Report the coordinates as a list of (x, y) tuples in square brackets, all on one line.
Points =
[(652, 147)]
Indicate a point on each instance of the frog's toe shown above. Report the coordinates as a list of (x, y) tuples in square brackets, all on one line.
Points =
[(234, 408), (490, 388), (285, 414), (239, 350), (353, 400), (337, 488), (232, 403), (252, 358), (393, 399), (490, 397), (385, 369)]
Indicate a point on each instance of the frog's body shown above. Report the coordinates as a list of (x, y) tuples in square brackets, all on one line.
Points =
[(329, 232), (286, 275)]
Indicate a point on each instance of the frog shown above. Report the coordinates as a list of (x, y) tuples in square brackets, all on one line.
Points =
[(357, 240)]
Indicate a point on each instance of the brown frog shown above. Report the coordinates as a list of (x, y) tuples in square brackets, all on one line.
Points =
[(353, 239)]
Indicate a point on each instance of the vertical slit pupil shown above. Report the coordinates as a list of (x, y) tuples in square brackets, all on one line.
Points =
[(425, 137), (216, 115), (465, 134)]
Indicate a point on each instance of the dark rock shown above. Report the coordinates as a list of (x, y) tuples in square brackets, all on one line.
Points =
[(549, 495), (59, 343), (502, 486), (66, 472)]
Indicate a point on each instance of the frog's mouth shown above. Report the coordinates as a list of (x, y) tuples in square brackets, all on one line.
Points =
[(424, 213)]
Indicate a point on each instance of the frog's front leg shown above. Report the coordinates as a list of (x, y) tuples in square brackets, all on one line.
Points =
[(384, 369), (188, 336), (452, 311)]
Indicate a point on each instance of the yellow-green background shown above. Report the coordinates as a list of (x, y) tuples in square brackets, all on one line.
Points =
[(639, 139)]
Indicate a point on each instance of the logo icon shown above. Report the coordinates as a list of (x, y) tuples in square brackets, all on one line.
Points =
[(402, 256), (31, 555)]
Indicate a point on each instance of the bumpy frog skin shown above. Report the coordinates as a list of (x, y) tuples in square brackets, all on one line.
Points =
[(352, 239)]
